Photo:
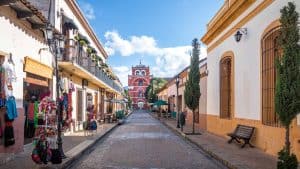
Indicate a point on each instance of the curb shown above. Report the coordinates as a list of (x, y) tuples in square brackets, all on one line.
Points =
[(68, 163), (212, 154)]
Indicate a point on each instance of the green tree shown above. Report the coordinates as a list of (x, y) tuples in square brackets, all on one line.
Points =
[(152, 90), (129, 103), (192, 88), (287, 93)]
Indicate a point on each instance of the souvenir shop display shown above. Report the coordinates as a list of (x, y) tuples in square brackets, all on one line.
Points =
[(90, 123), (45, 148), (67, 88), (8, 108)]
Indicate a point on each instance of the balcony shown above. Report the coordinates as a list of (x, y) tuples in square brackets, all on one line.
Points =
[(76, 57)]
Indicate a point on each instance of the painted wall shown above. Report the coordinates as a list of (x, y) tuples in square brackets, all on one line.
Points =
[(61, 4), (246, 66), (20, 40), (247, 88)]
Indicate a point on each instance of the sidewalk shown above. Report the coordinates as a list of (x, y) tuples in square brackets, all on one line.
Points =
[(74, 145), (230, 155)]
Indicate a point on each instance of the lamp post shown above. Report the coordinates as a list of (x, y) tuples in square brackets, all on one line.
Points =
[(56, 44), (177, 105)]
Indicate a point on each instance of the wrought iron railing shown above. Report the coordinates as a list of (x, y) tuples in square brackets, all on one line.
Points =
[(76, 54)]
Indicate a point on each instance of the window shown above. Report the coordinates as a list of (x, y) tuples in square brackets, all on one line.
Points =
[(143, 73), (140, 82), (270, 51), (137, 72), (225, 87)]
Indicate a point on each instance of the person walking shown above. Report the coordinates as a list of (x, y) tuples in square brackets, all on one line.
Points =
[(182, 118)]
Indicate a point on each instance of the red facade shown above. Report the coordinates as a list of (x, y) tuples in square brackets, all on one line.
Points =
[(138, 81)]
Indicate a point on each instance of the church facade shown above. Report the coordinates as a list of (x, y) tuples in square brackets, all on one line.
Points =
[(138, 81)]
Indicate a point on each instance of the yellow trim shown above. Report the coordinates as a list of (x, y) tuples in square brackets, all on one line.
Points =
[(37, 68), (267, 138), (251, 15), (224, 18)]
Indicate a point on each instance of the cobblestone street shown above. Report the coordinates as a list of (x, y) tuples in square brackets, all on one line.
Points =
[(143, 142)]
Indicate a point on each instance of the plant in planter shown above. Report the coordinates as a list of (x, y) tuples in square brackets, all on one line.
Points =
[(89, 50), (93, 56)]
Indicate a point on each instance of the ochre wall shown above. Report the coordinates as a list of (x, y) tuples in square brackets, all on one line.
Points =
[(269, 139)]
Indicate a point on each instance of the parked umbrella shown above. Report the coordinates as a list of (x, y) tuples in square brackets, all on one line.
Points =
[(160, 103)]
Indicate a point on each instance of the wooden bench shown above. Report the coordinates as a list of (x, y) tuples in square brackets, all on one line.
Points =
[(242, 132)]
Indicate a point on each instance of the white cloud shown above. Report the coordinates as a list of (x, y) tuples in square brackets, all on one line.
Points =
[(122, 72), (168, 61), (87, 10), (140, 45)]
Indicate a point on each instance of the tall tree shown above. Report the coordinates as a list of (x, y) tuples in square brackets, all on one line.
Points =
[(192, 87), (151, 91), (287, 93)]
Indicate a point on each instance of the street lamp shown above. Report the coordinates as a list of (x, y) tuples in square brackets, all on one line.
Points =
[(56, 44), (177, 105)]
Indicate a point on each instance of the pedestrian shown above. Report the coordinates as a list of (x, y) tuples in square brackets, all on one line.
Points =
[(182, 118)]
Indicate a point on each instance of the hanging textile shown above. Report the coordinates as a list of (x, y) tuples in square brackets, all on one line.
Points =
[(36, 111), (30, 112), (9, 138), (11, 108), (70, 109), (2, 87)]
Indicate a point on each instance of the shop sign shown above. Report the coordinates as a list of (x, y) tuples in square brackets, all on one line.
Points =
[(37, 68), (36, 81)]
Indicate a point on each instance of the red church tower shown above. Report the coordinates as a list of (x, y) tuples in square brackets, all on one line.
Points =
[(138, 81)]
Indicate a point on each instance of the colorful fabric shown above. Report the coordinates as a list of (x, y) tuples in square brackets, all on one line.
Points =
[(36, 111), (2, 82), (11, 108), (30, 112)]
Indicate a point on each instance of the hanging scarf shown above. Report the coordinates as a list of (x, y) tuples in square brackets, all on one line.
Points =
[(2, 86), (36, 111)]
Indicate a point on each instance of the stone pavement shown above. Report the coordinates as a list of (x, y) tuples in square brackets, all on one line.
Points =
[(74, 145), (229, 154), (144, 143)]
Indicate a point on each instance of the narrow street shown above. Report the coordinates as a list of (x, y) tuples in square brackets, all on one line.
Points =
[(143, 142)]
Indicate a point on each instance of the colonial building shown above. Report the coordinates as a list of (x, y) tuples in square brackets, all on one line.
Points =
[(85, 79), (242, 44), (176, 101), (23, 45), (138, 81), (88, 80)]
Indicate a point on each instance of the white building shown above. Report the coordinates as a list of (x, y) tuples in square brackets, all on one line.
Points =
[(240, 84)]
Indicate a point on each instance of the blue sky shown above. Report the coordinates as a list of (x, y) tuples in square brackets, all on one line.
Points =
[(158, 32)]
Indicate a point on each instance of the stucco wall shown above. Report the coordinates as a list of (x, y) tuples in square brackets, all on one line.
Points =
[(17, 38), (68, 12), (247, 99)]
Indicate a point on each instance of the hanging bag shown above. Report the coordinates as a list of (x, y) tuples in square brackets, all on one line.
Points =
[(1, 130), (9, 138), (56, 156)]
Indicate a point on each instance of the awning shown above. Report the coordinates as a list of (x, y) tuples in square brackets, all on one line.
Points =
[(37, 68), (69, 23)]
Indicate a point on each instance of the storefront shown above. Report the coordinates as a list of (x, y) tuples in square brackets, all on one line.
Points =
[(36, 86)]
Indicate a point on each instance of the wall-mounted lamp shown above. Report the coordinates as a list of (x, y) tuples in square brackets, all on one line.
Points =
[(240, 32)]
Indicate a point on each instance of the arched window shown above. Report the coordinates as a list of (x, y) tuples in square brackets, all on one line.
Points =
[(143, 73), (225, 87), (270, 52), (137, 72), (140, 82)]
